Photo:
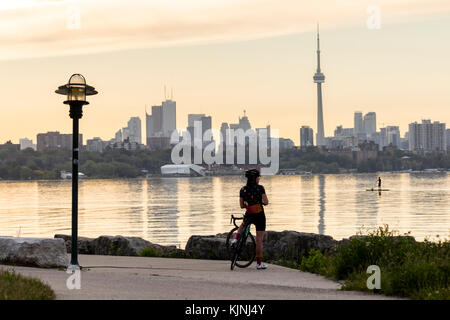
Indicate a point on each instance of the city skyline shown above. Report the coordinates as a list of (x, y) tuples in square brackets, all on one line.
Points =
[(268, 75), (364, 130)]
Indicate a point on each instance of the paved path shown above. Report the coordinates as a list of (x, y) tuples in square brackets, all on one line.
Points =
[(111, 277)]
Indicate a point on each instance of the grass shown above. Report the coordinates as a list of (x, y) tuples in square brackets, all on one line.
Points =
[(153, 252), (417, 270), (14, 286)]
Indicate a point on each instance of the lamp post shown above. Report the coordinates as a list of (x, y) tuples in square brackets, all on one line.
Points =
[(76, 91)]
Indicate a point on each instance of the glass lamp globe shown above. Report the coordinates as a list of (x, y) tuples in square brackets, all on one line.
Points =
[(77, 88)]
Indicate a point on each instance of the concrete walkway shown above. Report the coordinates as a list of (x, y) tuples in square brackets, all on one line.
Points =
[(112, 277)]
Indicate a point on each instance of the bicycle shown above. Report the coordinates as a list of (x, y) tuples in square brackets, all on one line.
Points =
[(243, 252)]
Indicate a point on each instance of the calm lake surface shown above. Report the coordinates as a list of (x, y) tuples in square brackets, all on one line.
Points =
[(168, 211)]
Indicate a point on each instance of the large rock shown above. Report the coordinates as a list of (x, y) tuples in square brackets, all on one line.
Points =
[(33, 252), (207, 247), (125, 246), (286, 245), (115, 245), (85, 245), (293, 245)]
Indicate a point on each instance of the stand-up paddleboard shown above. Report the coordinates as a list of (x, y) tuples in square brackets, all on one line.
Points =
[(377, 189)]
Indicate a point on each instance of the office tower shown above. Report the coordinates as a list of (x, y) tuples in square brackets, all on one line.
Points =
[(95, 144), (244, 123), (306, 136), (125, 134), (169, 117), (370, 123), (427, 136), (285, 144), (393, 136), (194, 117), (148, 126), (134, 130), (319, 78), (358, 123), (26, 143), (447, 138), (224, 138), (206, 123), (118, 136), (157, 121), (55, 140), (192, 120)]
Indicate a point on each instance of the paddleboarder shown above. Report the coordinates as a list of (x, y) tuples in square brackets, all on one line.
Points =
[(379, 182)]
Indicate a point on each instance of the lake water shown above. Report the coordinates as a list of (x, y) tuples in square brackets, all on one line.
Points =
[(168, 211)]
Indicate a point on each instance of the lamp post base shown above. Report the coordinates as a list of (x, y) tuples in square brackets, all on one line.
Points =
[(74, 267)]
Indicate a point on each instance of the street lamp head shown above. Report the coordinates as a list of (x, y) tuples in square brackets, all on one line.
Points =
[(76, 90)]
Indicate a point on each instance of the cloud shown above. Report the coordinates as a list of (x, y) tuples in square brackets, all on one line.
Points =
[(35, 28)]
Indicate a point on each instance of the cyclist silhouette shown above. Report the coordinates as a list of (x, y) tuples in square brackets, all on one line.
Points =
[(252, 197)]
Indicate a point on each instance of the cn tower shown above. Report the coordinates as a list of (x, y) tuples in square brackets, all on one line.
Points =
[(319, 78)]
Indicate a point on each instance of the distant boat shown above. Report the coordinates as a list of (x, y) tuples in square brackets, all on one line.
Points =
[(68, 175), (182, 170)]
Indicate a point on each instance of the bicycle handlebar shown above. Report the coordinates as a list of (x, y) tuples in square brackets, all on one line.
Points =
[(233, 219)]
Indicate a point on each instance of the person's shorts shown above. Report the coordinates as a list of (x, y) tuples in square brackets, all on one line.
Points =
[(258, 219)]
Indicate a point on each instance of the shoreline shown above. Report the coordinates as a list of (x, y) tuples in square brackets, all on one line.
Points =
[(235, 175)]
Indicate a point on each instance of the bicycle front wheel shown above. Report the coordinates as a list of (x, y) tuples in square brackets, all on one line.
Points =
[(244, 253)]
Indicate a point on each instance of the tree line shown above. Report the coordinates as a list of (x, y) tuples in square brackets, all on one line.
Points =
[(119, 163)]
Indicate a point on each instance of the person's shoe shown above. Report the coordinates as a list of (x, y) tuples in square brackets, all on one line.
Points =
[(261, 266)]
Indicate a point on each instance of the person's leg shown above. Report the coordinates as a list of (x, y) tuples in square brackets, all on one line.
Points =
[(259, 246), (238, 232), (260, 225)]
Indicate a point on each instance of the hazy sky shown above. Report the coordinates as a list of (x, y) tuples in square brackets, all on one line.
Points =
[(222, 57)]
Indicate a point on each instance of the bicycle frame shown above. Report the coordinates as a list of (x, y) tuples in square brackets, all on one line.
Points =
[(241, 240)]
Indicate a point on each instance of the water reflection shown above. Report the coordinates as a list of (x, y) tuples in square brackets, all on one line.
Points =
[(321, 226), (169, 210)]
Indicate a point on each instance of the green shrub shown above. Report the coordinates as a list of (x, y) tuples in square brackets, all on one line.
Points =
[(418, 270), (14, 286), (149, 252), (314, 262), (153, 252)]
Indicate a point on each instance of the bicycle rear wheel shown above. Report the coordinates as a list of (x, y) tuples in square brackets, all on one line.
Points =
[(242, 255)]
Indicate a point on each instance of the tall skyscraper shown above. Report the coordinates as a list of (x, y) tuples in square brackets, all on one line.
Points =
[(306, 136), (157, 121), (134, 130), (319, 78), (169, 117), (370, 123), (118, 136), (125, 133), (148, 126), (194, 117), (447, 138), (427, 136), (358, 123), (224, 133)]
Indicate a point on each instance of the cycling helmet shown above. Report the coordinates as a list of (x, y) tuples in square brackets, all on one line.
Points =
[(253, 173)]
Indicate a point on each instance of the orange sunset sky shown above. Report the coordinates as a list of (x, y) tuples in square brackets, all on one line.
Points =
[(221, 57)]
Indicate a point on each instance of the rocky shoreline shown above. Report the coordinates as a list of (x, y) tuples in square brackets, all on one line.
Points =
[(278, 247)]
